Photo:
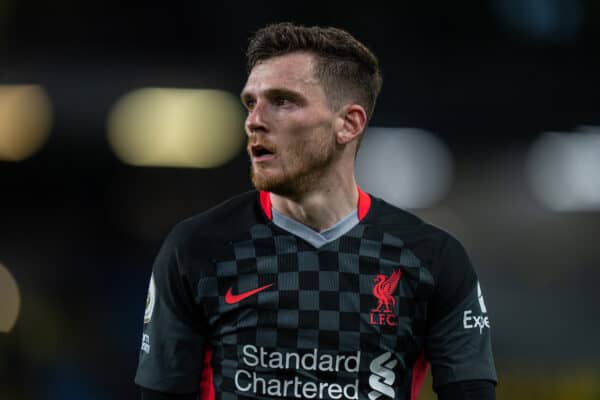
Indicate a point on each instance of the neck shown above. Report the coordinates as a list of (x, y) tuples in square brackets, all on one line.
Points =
[(323, 206)]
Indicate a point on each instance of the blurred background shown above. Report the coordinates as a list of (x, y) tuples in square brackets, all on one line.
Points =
[(117, 120)]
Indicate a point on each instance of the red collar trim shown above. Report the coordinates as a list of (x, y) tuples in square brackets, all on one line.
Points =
[(265, 203), (364, 204)]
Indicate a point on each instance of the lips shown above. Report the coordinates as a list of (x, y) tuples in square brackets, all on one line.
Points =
[(261, 152)]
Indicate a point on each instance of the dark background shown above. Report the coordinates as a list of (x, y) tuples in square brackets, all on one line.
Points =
[(79, 229)]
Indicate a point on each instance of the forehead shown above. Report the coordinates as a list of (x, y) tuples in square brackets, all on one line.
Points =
[(294, 71)]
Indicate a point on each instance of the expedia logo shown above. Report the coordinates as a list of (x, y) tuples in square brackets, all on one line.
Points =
[(150, 300), (382, 376), (480, 298), (473, 321)]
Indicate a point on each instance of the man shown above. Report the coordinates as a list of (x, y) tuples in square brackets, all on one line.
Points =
[(310, 288)]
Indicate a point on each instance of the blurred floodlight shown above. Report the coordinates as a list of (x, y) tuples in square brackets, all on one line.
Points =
[(564, 170), (543, 20), (25, 119), (410, 168), (176, 128), (10, 300)]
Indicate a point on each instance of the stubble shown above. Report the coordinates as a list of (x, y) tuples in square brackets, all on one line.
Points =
[(301, 168)]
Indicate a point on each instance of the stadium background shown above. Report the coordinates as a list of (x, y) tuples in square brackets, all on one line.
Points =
[(488, 125)]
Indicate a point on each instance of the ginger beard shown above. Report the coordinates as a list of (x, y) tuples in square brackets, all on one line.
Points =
[(298, 168)]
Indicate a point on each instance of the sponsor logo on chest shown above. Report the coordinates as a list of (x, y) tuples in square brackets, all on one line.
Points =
[(382, 376)]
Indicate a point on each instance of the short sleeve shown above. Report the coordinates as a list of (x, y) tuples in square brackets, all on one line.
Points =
[(458, 343), (174, 334)]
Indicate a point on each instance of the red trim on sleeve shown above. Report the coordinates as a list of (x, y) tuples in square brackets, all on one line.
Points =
[(418, 376), (364, 203), (265, 203), (207, 387)]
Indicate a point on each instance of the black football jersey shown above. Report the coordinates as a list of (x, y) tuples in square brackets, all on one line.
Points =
[(240, 308)]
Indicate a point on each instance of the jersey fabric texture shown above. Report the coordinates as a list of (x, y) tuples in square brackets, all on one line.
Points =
[(239, 308)]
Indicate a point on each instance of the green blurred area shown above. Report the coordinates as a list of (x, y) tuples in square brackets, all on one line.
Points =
[(526, 384)]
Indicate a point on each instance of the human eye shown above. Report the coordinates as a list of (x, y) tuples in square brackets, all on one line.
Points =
[(249, 104), (282, 101)]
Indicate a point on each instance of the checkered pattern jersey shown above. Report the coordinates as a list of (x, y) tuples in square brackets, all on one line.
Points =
[(316, 329)]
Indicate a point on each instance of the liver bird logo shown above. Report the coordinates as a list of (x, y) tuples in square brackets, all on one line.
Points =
[(384, 288)]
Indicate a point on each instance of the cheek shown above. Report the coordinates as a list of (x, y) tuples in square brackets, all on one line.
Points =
[(303, 131), (307, 126)]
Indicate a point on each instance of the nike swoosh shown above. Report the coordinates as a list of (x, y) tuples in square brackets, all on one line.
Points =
[(231, 298)]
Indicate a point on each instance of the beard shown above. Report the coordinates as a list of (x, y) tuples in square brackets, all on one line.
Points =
[(301, 167)]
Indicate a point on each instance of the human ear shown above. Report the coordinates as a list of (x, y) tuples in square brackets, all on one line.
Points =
[(351, 123)]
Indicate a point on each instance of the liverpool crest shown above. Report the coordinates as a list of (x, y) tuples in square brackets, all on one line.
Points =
[(384, 289)]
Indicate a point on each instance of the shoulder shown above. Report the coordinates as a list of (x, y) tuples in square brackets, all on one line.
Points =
[(406, 225), (190, 248), (201, 238), (437, 249), (233, 215)]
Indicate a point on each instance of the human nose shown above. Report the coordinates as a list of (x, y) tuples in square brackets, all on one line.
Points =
[(256, 120)]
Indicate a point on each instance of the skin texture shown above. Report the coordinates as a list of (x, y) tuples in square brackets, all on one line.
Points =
[(310, 171)]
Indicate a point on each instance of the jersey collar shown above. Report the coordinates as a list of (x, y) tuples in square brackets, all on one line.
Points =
[(363, 206)]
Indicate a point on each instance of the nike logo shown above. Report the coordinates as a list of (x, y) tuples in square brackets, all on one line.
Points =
[(231, 298)]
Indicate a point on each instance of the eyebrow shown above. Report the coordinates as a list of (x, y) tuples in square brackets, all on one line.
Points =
[(275, 92)]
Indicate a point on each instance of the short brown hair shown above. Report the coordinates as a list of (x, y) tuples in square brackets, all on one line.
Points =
[(346, 68)]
